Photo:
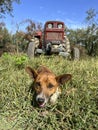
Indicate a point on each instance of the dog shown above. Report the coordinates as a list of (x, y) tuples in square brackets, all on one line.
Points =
[(46, 84)]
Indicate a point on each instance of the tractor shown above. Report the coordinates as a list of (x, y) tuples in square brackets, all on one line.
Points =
[(52, 40)]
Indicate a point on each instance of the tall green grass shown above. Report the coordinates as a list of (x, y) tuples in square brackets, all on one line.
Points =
[(76, 109)]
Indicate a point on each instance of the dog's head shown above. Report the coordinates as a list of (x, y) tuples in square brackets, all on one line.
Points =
[(46, 83)]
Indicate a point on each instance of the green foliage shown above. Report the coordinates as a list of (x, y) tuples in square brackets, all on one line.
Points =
[(77, 36), (18, 60), (87, 36), (19, 41), (92, 31), (5, 37), (91, 16), (76, 108), (6, 6)]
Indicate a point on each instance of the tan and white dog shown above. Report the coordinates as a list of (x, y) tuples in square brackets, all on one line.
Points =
[(46, 84)]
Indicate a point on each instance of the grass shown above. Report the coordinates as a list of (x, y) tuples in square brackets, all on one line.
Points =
[(76, 109)]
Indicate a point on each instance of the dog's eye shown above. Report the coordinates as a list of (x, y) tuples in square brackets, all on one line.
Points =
[(50, 85), (37, 86)]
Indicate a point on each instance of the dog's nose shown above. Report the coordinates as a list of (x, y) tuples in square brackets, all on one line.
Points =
[(41, 100)]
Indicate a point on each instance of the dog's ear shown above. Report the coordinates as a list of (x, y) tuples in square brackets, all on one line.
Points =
[(31, 72), (61, 79)]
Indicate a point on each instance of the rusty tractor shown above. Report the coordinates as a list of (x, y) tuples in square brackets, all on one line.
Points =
[(51, 40)]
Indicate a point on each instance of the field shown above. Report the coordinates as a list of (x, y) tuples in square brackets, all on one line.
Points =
[(76, 109)]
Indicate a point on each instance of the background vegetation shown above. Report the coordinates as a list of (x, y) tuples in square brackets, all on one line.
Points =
[(76, 109), (18, 42)]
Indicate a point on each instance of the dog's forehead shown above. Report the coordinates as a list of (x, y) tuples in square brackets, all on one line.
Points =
[(46, 77)]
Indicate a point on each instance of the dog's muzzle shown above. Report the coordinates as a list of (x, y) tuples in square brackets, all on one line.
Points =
[(41, 99)]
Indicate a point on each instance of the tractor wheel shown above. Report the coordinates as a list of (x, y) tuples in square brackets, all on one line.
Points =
[(75, 53), (31, 50)]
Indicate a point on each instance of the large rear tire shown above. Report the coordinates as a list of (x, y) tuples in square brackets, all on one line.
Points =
[(75, 53), (31, 50)]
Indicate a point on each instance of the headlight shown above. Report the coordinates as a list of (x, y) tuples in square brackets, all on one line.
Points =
[(50, 25), (59, 25)]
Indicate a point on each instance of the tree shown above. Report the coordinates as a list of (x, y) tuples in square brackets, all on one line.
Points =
[(91, 43), (76, 36), (6, 6), (31, 29), (91, 16), (19, 41), (5, 40)]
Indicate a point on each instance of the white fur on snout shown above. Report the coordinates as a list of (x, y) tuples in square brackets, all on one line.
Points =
[(42, 95), (54, 97)]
